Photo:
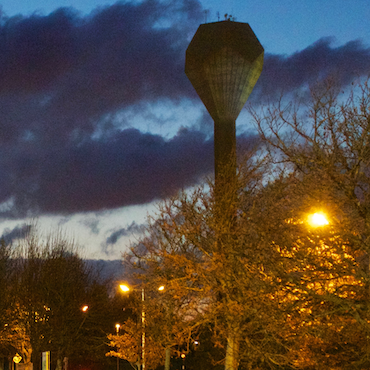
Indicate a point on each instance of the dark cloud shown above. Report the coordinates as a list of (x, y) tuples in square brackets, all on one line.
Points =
[(61, 74), (67, 83), (19, 232), (121, 169), (92, 224), (133, 228), (107, 270), (284, 74), (126, 168)]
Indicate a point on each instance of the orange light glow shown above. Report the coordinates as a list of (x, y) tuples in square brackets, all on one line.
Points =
[(124, 288), (318, 219)]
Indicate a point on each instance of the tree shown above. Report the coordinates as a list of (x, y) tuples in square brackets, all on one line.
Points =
[(163, 329), (276, 292), (51, 284), (326, 149), (128, 346), (12, 334), (223, 267)]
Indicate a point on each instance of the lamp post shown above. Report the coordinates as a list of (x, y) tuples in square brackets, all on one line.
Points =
[(125, 288), (142, 329), (118, 326), (183, 361)]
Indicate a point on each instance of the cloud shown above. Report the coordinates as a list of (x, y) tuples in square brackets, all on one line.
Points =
[(285, 74), (19, 232), (122, 169), (70, 85), (61, 74), (133, 228), (126, 168), (92, 224)]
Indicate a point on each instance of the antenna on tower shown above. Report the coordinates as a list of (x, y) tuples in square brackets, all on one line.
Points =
[(229, 17), (206, 12)]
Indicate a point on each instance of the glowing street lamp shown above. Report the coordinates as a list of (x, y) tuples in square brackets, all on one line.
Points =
[(318, 219), (17, 358), (183, 361), (118, 326), (84, 309), (125, 288)]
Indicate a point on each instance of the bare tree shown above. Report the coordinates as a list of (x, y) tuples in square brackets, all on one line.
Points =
[(224, 266), (51, 284), (324, 146)]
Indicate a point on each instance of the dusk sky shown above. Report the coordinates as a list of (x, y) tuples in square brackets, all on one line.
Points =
[(98, 121)]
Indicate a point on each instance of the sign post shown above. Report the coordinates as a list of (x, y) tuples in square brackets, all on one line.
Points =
[(46, 360)]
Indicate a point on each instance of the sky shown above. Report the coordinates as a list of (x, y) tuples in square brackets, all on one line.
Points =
[(98, 122)]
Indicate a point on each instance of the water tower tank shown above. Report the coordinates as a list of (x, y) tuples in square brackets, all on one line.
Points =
[(223, 62)]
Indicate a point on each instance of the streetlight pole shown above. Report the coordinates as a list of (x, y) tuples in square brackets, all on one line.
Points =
[(183, 361), (142, 329), (125, 288), (118, 326)]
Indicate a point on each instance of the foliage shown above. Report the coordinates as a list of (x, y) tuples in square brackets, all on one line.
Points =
[(221, 270), (163, 328), (8, 336), (45, 285), (128, 346), (327, 153), (276, 292)]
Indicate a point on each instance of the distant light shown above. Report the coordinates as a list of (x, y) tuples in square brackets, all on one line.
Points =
[(196, 342), (161, 288), (85, 308), (118, 326), (124, 288), (318, 219), (17, 358)]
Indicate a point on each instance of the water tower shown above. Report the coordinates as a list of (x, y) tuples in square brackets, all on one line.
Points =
[(223, 62)]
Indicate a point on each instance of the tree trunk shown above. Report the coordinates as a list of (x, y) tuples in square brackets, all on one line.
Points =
[(26, 353), (65, 363), (28, 366), (232, 350), (59, 364), (168, 359)]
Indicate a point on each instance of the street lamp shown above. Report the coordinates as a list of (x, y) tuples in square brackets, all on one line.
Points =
[(125, 288), (118, 326), (317, 219), (83, 309), (183, 361)]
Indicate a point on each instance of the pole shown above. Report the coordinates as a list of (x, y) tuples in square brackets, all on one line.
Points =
[(183, 361), (118, 326), (142, 329)]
